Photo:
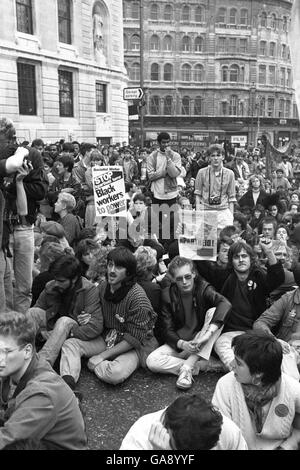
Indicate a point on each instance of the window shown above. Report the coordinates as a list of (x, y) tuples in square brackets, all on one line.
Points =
[(262, 74), (64, 21), (272, 75), (186, 73), (198, 106), (287, 109), (198, 73), (65, 93), (222, 44), (168, 13), (289, 78), (282, 76), (168, 105), (24, 16), (186, 44), (155, 72), (232, 16), (273, 21), (224, 108), (263, 48), (244, 16), (125, 10), (26, 88), (135, 42), (185, 105), (154, 105), (272, 49), (234, 73), (101, 93), (167, 43), (232, 45), (154, 43), (283, 51), (168, 73), (134, 72), (284, 23), (225, 74), (262, 106), (270, 109), (281, 108), (154, 12), (185, 13), (295, 111), (233, 105), (125, 41), (199, 44), (199, 15), (135, 11), (263, 19), (221, 16), (243, 45)]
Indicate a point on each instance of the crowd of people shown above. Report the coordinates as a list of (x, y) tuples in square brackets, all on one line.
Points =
[(115, 294)]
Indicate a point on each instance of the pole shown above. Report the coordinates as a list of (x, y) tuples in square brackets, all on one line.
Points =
[(142, 68)]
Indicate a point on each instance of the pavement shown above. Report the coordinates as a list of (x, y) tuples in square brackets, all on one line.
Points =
[(110, 410)]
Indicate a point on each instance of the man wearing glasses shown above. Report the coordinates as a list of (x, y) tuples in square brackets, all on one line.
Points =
[(35, 403), (215, 187), (192, 318)]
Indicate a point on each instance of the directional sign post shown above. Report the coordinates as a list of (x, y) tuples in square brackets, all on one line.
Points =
[(133, 93)]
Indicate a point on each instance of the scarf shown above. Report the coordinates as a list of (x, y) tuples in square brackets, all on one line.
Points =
[(256, 398), (120, 294)]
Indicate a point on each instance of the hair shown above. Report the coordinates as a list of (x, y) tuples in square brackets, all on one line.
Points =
[(87, 232), (146, 261), (224, 241), (215, 148), (236, 248), (228, 231), (139, 197), (179, 262), (163, 135), (86, 147), (47, 160), (19, 326), (195, 424), (261, 352), (285, 228), (49, 251), (123, 257), (7, 128), (253, 177), (75, 142), (96, 156), (68, 199), (85, 246), (128, 187), (37, 143), (241, 153), (277, 244), (67, 160), (66, 266), (241, 219), (156, 246)]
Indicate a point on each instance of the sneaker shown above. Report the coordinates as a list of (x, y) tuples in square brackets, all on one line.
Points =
[(185, 379)]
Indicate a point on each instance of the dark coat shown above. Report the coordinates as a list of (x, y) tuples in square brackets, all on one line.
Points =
[(247, 199)]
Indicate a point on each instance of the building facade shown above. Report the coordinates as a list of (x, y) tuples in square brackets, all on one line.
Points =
[(61, 68), (213, 70)]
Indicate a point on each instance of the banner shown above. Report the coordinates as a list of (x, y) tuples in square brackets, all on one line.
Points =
[(198, 235), (109, 191)]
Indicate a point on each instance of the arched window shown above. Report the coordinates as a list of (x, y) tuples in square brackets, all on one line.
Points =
[(185, 14), (272, 50), (283, 51), (168, 13), (284, 23), (186, 73), (199, 15), (135, 42), (185, 105), (154, 105), (154, 12), (232, 16), (225, 73), (263, 48), (198, 73), (154, 72), (186, 44), (263, 19), (233, 105), (154, 43), (273, 21), (134, 72), (199, 44), (168, 72), (221, 16), (135, 10), (167, 43), (168, 105), (244, 16), (198, 107), (234, 73), (125, 41)]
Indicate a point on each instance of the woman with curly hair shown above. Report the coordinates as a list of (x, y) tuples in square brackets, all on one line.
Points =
[(146, 260)]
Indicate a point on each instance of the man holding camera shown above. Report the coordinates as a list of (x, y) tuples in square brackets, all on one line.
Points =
[(215, 187)]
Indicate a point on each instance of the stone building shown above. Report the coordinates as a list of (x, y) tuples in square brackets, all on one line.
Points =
[(213, 69), (61, 69)]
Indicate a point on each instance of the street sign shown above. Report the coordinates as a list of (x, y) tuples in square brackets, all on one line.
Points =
[(133, 93)]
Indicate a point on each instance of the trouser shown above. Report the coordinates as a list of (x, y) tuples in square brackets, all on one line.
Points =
[(90, 214), (55, 337), (22, 244), (164, 215), (113, 372), (6, 285)]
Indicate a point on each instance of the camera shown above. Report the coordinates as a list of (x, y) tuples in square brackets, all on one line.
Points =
[(214, 200)]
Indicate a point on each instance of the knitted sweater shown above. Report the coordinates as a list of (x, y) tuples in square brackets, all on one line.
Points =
[(229, 398)]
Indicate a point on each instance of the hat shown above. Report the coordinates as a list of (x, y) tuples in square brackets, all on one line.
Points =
[(53, 228)]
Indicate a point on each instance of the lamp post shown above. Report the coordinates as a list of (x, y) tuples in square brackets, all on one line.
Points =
[(258, 101), (141, 107), (252, 109)]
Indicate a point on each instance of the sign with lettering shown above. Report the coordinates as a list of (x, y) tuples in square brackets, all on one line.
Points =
[(197, 237), (109, 191)]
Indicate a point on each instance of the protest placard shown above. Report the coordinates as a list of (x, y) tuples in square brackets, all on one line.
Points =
[(109, 191), (197, 239)]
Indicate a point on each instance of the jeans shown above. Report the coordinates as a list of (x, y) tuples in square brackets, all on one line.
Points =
[(113, 372), (6, 286), (22, 244)]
